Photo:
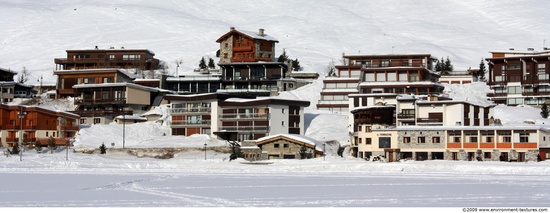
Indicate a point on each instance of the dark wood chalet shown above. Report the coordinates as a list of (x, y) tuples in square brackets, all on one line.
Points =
[(400, 74), (519, 77), (259, 78), (96, 58), (66, 79)]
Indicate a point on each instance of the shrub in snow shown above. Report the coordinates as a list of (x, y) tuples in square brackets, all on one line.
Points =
[(103, 149)]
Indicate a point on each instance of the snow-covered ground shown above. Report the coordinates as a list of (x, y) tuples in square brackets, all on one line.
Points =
[(206, 178)]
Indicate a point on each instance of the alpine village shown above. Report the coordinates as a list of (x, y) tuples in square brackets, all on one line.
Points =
[(394, 102)]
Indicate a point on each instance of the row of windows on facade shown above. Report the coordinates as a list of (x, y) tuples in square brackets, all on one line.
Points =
[(523, 138), (111, 57)]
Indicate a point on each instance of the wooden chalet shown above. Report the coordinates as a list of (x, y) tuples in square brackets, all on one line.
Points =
[(96, 58), (37, 124), (244, 46), (66, 79)]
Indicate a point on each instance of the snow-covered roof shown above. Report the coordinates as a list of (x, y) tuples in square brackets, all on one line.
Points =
[(488, 104), (396, 83), (545, 128), (130, 117), (154, 111), (123, 84), (317, 144), (255, 35)]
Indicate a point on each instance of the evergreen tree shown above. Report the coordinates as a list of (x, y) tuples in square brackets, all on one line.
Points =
[(211, 64), (235, 151), (15, 149), (303, 152), (283, 57), (202, 64), (103, 149), (37, 146), (482, 70), (438, 66), (295, 65), (448, 67), (51, 144), (544, 111)]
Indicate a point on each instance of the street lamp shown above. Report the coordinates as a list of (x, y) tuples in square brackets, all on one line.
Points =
[(204, 151), (21, 116)]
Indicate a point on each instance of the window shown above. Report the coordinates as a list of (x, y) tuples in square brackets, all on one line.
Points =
[(500, 78), (523, 137), (385, 63), (276, 145), (507, 139), (384, 142), (406, 139), (282, 123), (514, 90), (514, 101), (473, 139), (285, 145), (456, 139), (513, 67), (368, 141), (490, 139), (82, 121), (131, 57), (283, 111), (97, 120), (360, 140), (421, 139), (111, 57), (436, 140)]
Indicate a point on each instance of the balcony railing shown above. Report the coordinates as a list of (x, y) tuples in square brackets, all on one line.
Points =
[(405, 116), (245, 116), (190, 110), (429, 120), (190, 123), (101, 113), (245, 128), (66, 91), (79, 101)]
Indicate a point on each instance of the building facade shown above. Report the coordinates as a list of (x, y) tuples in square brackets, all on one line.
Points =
[(235, 118), (66, 79), (35, 124), (101, 103), (400, 74), (96, 58), (245, 46), (519, 77)]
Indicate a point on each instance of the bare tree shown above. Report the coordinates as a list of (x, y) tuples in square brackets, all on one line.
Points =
[(23, 76)]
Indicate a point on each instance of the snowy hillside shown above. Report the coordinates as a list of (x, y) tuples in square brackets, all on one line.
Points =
[(315, 32)]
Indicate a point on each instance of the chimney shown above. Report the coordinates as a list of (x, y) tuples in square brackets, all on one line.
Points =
[(232, 28), (96, 47), (530, 49), (261, 32), (511, 48)]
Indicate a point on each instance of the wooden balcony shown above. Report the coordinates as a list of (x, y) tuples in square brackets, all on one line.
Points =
[(66, 91), (242, 49), (78, 101)]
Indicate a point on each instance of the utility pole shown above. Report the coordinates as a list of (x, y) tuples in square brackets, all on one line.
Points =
[(204, 151)]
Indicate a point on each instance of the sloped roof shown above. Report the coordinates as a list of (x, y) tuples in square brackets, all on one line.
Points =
[(250, 34), (295, 138)]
